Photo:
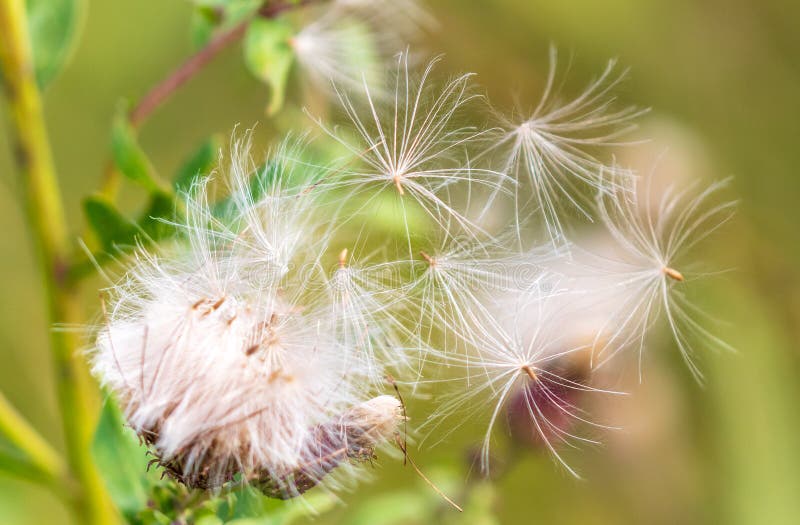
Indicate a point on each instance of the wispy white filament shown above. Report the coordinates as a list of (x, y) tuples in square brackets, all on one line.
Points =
[(650, 271), (550, 152)]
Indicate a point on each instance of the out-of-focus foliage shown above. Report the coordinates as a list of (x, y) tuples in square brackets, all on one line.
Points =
[(129, 158), (115, 232), (269, 57), (122, 461), (199, 164), (211, 16), (54, 26)]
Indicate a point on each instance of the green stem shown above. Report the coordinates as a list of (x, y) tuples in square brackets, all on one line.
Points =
[(32, 458), (48, 228), (23, 437)]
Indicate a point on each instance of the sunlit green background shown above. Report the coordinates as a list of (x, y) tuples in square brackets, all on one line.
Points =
[(723, 79)]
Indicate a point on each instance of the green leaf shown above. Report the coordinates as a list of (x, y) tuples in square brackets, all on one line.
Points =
[(208, 520), (129, 157), (54, 26), (248, 6), (155, 221), (238, 10), (153, 517), (108, 224), (196, 166), (391, 509), (121, 460), (269, 56), (203, 22), (210, 16), (320, 502), (115, 232), (248, 502)]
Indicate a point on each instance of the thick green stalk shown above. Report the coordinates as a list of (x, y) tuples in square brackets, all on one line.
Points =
[(48, 229), (40, 458), (31, 457)]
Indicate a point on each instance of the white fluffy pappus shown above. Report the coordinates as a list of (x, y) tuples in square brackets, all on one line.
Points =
[(452, 280), (352, 41), (523, 367), (415, 147), (550, 153), (370, 312), (339, 50), (229, 375), (650, 269)]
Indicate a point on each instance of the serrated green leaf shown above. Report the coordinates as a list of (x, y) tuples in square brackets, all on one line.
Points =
[(110, 227), (121, 461), (196, 166), (269, 56), (129, 158), (54, 26)]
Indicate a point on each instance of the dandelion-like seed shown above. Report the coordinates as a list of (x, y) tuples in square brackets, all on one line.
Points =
[(555, 399), (514, 363), (352, 41), (353, 436), (551, 150), (650, 273), (340, 50), (366, 309), (415, 148), (452, 282)]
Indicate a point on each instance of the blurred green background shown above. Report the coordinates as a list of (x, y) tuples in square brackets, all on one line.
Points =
[(723, 79)]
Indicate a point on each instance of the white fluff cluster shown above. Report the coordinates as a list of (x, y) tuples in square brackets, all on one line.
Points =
[(258, 344), (232, 352)]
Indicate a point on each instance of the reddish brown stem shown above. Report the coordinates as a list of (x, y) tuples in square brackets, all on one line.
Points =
[(164, 89)]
